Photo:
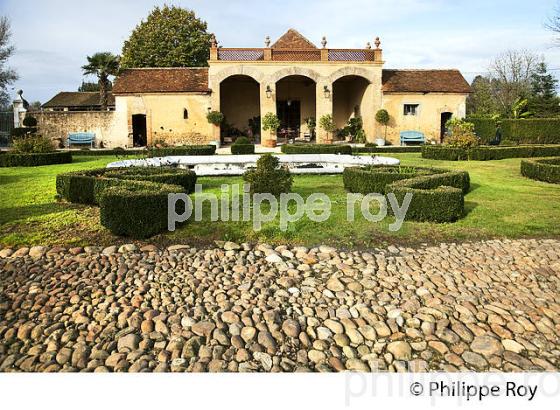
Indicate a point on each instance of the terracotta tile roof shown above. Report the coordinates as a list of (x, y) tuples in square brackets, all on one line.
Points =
[(162, 80), (423, 81), (77, 99), (293, 39)]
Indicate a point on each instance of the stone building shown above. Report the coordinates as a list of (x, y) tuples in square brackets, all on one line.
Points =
[(291, 78)]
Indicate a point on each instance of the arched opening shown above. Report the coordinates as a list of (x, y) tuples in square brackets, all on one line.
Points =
[(352, 99), (240, 104), (295, 107)]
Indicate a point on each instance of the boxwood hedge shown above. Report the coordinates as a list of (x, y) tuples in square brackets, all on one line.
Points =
[(437, 194), (316, 149), (131, 199), (546, 170), (242, 149), (33, 160), (182, 150), (386, 150), (487, 153)]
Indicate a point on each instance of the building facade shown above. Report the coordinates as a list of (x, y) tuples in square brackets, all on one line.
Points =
[(291, 78)]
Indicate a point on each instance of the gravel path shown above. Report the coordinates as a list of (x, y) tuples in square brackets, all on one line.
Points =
[(491, 305)]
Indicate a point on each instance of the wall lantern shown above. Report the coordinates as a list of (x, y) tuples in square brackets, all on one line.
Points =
[(268, 91), (327, 92)]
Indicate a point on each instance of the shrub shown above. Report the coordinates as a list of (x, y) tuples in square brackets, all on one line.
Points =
[(215, 117), (437, 194), (242, 146), (462, 134), (316, 149), (268, 177), (546, 170), (29, 121), (182, 150), (19, 132), (32, 144), (34, 160)]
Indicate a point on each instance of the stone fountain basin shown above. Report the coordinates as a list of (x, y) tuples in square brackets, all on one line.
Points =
[(209, 165)]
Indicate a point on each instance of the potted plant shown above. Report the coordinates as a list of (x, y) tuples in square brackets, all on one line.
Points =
[(215, 118), (326, 122), (383, 118), (271, 123)]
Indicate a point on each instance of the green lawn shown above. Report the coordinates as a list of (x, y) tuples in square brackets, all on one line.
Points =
[(501, 203)]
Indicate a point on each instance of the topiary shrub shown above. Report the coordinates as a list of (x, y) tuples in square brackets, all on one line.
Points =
[(372, 148), (215, 117), (522, 151), (29, 121), (316, 149), (268, 177), (437, 194), (242, 146), (546, 170), (10, 159)]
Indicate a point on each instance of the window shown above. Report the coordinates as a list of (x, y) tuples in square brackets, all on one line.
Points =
[(185, 114), (411, 109)]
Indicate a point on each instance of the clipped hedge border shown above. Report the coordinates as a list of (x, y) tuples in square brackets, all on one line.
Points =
[(34, 160), (242, 149), (387, 150), (437, 194), (546, 170), (182, 150), (133, 201), (316, 149), (485, 153)]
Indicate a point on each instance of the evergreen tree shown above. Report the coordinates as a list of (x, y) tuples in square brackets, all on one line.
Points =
[(544, 102)]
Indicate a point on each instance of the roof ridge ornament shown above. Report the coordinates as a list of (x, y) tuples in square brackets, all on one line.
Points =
[(267, 42), (368, 46), (377, 42), (324, 42), (213, 41)]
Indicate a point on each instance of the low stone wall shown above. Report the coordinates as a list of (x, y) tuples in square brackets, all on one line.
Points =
[(104, 124)]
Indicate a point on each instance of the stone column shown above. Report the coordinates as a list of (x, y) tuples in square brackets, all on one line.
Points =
[(267, 104), (215, 106), (324, 106)]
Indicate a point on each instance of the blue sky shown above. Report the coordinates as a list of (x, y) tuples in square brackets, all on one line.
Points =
[(54, 37)]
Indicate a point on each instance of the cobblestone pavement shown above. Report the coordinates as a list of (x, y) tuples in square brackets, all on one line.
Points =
[(487, 306)]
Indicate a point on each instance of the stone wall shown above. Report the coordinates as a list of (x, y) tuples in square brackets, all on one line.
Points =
[(104, 124)]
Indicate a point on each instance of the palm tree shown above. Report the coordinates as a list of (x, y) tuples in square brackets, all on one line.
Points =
[(102, 65)]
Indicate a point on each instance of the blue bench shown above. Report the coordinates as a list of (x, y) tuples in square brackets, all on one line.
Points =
[(80, 138), (412, 136)]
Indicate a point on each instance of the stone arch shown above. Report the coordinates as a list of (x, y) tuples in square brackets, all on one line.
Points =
[(355, 71), (286, 72), (255, 74)]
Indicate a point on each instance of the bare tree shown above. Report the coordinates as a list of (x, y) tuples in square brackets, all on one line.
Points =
[(7, 75), (553, 23), (511, 73)]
